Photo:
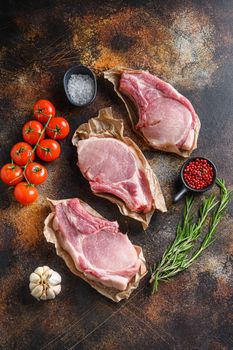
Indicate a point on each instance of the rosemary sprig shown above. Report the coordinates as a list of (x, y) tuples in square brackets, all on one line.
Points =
[(182, 253)]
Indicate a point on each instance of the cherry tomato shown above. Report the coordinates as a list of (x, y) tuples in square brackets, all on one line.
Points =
[(36, 173), (58, 128), (21, 152), (43, 109), (48, 150), (11, 174), (25, 193), (32, 131)]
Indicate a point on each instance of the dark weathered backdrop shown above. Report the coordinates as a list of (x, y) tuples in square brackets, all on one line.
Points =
[(188, 43)]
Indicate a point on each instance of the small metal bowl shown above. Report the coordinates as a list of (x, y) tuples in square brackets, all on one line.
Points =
[(185, 188), (79, 70)]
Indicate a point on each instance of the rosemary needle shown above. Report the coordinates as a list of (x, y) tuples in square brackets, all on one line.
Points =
[(182, 253)]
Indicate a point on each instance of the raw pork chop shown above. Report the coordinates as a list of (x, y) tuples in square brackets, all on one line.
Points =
[(112, 167), (116, 168), (165, 118), (97, 247)]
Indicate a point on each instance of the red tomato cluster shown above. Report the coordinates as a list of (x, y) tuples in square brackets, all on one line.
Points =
[(22, 154)]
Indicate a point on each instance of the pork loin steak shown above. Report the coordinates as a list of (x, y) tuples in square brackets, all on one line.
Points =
[(113, 167), (166, 118), (97, 247)]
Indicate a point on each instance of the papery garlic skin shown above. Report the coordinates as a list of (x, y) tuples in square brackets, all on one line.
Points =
[(45, 283)]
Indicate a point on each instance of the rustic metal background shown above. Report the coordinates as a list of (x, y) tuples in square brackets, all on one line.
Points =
[(188, 43)]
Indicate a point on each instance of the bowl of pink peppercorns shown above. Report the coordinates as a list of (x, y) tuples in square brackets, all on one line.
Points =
[(197, 174)]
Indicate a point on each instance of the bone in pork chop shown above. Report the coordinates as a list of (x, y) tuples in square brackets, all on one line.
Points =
[(111, 167), (165, 118), (116, 168), (97, 247)]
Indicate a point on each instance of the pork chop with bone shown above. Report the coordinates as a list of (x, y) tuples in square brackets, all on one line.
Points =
[(116, 168), (98, 249), (112, 167), (165, 118)]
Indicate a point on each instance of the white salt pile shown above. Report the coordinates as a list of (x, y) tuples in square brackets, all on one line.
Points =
[(81, 88)]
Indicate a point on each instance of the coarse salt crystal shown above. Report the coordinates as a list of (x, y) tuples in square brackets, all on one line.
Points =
[(81, 88)]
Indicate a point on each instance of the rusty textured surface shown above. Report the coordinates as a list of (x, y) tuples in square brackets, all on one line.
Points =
[(188, 43)]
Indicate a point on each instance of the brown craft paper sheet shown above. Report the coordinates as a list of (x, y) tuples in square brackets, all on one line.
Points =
[(51, 236), (106, 126), (114, 76)]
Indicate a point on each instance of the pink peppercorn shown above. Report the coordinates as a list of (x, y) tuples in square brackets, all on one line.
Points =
[(198, 174)]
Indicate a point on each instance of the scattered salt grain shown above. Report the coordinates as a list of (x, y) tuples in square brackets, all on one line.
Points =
[(81, 88)]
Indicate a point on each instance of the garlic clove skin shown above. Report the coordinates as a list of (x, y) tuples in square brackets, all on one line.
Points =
[(34, 278), (37, 291), (45, 283), (51, 293), (47, 295), (46, 268), (54, 279), (57, 289), (33, 285), (39, 270)]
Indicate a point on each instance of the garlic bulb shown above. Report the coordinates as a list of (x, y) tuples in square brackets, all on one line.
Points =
[(45, 283)]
